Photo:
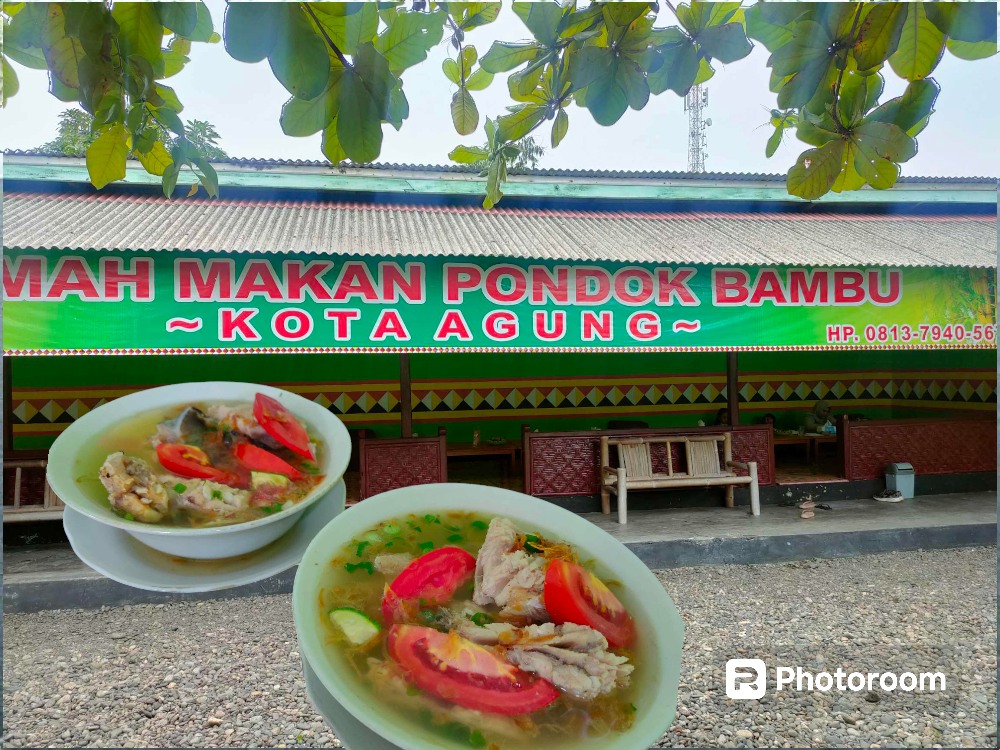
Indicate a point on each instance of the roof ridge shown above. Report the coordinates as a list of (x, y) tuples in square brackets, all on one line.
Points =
[(539, 172)]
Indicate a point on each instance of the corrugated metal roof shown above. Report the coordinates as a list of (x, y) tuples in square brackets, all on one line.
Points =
[(262, 163), (131, 222)]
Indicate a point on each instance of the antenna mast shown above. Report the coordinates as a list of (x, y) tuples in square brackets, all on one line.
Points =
[(695, 104)]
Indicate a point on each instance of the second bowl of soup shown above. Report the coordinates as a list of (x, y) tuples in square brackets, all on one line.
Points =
[(456, 616)]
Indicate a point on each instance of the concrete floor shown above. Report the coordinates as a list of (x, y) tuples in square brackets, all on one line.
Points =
[(775, 520), (51, 576)]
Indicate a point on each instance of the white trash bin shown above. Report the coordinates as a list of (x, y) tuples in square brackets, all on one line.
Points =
[(900, 476)]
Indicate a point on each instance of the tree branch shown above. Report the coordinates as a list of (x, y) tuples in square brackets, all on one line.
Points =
[(322, 30), (840, 75)]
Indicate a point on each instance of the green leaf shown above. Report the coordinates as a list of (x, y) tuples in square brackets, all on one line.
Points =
[(971, 50), (849, 177), (911, 110), (817, 131), (885, 139), (542, 19), (771, 35), (169, 97), (816, 171), (10, 84), (469, 57), (304, 117), (63, 53), (399, 108), (300, 60), (169, 119), (207, 176), (464, 113), (504, 56), (878, 172), (170, 173), (853, 102), (472, 15), (705, 71), (965, 22), (409, 38), (495, 179), (203, 29), (252, 29), (176, 56), (352, 24), (29, 57), (62, 92), (479, 80), (773, 142), (96, 26), (578, 22), (181, 18), (451, 71), (468, 154), (878, 34), (518, 124), (921, 45), (156, 160), (727, 43), (679, 69), (110, 109), (522, 85), (559, 127), (332, 149), (106, 155), (365, 91), (621, 15), (139, 30)]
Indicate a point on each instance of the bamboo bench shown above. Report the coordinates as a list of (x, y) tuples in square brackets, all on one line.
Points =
[(701, 461)]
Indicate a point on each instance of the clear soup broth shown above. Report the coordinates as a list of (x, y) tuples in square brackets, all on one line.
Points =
[(353, 581), (135, 438)]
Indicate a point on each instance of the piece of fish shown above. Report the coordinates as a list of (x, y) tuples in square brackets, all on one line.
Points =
[(188, 428), (574, 658), (206, 496), (391, 565), (133, 488), (241, 419), (511, 579)]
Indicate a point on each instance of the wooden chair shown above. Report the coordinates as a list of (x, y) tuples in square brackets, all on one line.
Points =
[(391, 463), (701, 464)]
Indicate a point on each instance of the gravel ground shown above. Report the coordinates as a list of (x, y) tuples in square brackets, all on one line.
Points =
[(227, 673)]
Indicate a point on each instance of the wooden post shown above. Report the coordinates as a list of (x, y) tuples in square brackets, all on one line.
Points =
[(405, 398), (733, 388)]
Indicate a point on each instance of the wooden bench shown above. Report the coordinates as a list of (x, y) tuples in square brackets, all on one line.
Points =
[(702, 468)]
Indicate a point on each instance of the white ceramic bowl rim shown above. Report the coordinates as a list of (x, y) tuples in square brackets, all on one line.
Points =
[(321, 422), (653, 604)]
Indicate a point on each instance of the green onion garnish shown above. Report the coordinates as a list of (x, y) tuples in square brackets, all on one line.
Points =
[(178, 488), (480, 525), (426, 546), (351, 567), (454, 538)]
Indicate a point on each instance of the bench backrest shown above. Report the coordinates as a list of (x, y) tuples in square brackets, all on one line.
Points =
[(701, 453)]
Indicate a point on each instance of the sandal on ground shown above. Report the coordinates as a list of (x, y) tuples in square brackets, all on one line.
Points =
[(889, 496), (807, 514)]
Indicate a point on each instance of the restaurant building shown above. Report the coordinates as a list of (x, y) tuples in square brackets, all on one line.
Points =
[(586, 303)]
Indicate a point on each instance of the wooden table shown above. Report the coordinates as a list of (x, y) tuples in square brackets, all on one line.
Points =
[(510, 450), (805, 440), (810, 441)]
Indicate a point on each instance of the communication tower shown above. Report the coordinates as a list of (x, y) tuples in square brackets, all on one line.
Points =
[(695, 104)]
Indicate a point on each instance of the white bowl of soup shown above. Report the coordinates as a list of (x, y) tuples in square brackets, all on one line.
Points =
[(181, 467), (457, 616)]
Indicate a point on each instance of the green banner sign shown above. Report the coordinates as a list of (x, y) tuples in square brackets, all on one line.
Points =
[(111, 302)]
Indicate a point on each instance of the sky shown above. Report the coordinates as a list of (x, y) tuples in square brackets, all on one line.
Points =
[(244, 101)]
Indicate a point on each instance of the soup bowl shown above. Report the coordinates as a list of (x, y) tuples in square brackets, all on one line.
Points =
[(78, 452), (659, 626)]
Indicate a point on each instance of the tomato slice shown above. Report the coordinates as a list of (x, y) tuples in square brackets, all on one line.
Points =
[(258, 459), (279, 423), (189, 461), (574, 594), (464, 673), (431, 578)]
